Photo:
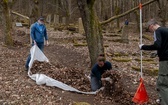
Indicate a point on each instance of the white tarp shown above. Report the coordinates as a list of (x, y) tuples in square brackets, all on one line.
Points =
[(37, 54)]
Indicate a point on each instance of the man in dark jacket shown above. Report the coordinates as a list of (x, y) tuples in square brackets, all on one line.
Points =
[(38, 33), (98, 69), (161, 45)]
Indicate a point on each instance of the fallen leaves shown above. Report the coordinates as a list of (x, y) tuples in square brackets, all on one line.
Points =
[(66, 61), (70, 76), (114, 89)]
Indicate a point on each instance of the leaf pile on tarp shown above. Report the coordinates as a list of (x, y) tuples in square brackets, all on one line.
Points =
[(114, 89), (70, 76)]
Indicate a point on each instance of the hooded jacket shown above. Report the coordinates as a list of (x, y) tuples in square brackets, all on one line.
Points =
[(38, 32)]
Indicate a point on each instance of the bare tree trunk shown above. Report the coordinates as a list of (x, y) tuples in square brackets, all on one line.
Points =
[(149, 7), (117, 11), (42, 7), (111, 9), (69, 10), (162, 4), (0, 15), (56, 7), (35, 13), (137, 17), (92, 29), (7, 23), (104, 14)]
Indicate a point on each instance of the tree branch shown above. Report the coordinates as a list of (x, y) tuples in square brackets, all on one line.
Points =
[(20, 15), (125, 13)]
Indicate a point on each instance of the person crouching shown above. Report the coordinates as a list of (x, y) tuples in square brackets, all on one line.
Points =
[(97, 70)]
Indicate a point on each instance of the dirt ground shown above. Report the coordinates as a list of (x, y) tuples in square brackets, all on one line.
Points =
[(17, 88)]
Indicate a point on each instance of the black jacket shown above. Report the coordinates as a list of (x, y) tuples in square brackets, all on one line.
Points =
[(160, 44)]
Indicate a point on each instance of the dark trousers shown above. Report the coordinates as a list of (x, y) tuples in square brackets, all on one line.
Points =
[(41, 47), (162, 82)]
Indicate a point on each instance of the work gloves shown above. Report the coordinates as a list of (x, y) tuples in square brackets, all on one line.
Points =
[(106, 79), (152, 55), (140, 46)]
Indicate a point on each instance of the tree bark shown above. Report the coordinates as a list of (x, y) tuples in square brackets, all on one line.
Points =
[(125, 13), (7, 23), (69, 11), (56, 7), (92, 29), (117, 11), (35, 13), (162, 11), (137, 18)]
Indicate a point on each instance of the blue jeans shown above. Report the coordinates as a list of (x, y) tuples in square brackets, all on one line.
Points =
[(95, 83), (41, 47)]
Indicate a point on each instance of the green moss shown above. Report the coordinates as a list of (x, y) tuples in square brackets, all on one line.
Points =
[(80, 103), (120, 54), (109, 54), (147, 37), (136, 40), (147, 59), (118, 59), (136, 68), (106, 45), (152, 62), (152, 72), (80, 44)]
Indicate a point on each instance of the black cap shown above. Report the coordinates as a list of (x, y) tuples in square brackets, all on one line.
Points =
[(41, 18)]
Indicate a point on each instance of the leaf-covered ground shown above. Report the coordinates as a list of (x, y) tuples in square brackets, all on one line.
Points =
[(17, 88)]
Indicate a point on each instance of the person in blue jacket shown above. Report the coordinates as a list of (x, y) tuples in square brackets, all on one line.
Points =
[(126, 22), (97, 70), (38, 34)]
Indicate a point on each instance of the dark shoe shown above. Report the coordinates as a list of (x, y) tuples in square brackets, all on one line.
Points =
[(27, 68)]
